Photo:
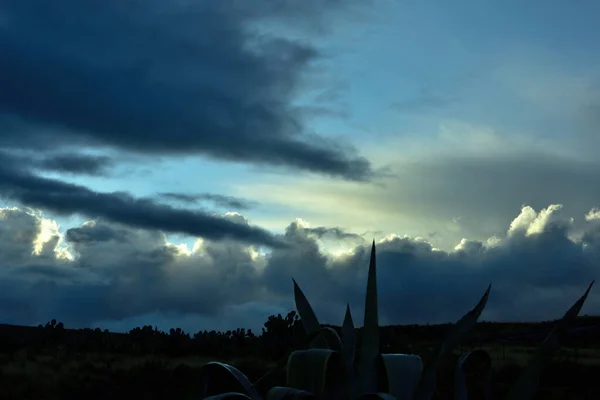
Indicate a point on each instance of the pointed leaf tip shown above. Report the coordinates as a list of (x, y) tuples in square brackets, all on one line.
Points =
[(486, 295), (307, 317), (587, 292), (457, 334), (369, 350), (590, 287), (373, 255), (527, 384), (348, 317)]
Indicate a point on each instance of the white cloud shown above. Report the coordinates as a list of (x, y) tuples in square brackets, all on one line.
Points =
[(593, 215), (429, 192)]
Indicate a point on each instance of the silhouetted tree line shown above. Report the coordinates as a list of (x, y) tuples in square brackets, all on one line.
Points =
[(280, 334)]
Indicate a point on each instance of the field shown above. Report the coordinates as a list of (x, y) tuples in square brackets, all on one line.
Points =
[(61, 367), (99, 376)]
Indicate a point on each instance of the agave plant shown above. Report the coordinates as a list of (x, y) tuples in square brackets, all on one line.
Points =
[(330, 369)]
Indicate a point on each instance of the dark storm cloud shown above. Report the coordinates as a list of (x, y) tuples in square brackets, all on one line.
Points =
[(537, 272), (218, 199), (140, 267), (199, 77), (77, 164), (92, 233), (69, 199)]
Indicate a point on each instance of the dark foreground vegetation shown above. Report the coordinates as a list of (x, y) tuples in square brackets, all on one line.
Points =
[(52, 362)]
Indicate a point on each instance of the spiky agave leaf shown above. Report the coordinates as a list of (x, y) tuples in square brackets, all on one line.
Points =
[(217, 378), (308, 317), (272, 376), (317, 336), (318, 371), (527, 383), (349, 347), (477, 362), (402, 373), (367, 379), (349, 335), (458, 332), (334, 342)]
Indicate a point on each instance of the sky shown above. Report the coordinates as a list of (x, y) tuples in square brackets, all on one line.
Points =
[(178, 163)]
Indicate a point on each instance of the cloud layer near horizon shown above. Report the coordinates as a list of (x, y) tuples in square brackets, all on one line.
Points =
[(113, 276)]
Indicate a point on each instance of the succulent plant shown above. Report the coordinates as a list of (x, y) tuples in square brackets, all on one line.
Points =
[(330, 370)]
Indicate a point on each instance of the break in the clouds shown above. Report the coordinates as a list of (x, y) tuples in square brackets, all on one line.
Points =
[(20, 184), (165, 78), (63, 198), (107, 274)]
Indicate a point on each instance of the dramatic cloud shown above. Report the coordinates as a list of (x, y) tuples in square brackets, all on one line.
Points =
[(74, 163), (110, 274), (137, 124), (69, 199), (77, 164), (165, 78)]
